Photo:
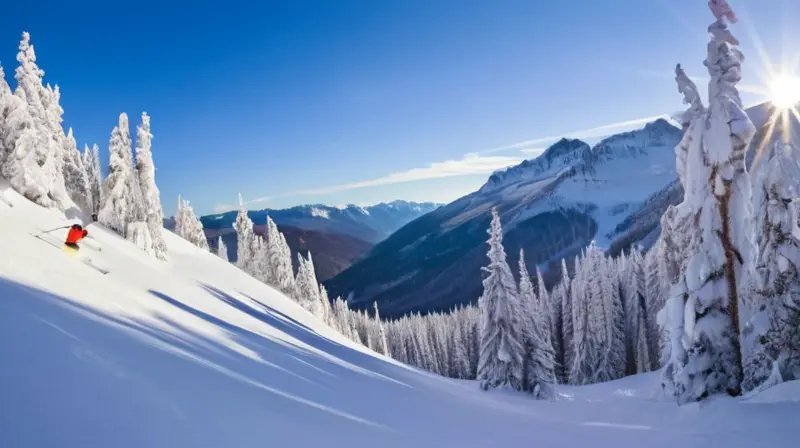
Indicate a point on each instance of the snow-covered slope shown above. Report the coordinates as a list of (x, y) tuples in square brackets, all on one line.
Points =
[(194, 353)]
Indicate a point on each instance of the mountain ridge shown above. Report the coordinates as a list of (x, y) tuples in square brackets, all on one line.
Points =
[(551, 206)]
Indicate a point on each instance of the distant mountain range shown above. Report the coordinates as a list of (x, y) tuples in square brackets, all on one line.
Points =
[(551, 206), (335, 236), (371, 224)]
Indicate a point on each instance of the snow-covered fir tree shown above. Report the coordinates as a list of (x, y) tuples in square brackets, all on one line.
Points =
[(188, 225), (327, 307), (680, 234), (245, 239), (615, 315), (715, 274), (655, 292), (33, 155), (259, 266), (151, 199), (51, 100), (222, 249), (501, 350), (94, 175), (307, 286), (581, 353), (6, 97), (122, 197), (771, 353), (284, 270), (76, 178), (634, 294), (563, 292), (538, 370), (383, 346)]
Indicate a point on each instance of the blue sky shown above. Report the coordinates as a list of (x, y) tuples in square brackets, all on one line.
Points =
[(351, 101)]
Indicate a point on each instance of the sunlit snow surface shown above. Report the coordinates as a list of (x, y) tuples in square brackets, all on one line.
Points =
[(194, 353)]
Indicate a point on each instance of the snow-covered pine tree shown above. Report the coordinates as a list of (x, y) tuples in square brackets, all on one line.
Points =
[(5, 93), (581, 365), (308, 287), (528, 321), (151, 200), (285, 272), (6, 97), (646, 359), (342, 317), (654, 296), (222, 249), (36, 171), (383, 345), (76, 178), (259, 266), (564, 359), (538, 371), (188, 226), (552, 309), (94, 175), (501, 349), (51, 100), (635, 303), (21, 166), (26, 157), (680, 234), (273, 253), (245, 239), (617, 318), (715, 274), (325, 302), (460, 347), (769, 355), (605, 342), (121, 193)]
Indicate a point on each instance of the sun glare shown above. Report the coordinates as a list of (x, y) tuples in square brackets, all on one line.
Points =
[(785, 91)]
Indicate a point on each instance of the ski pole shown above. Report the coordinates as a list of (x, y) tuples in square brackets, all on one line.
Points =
[(53, 230)]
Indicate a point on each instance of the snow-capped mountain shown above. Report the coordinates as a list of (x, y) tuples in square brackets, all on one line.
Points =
[(551, 206), (371, 224)]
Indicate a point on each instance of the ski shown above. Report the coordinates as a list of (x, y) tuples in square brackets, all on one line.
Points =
[(96, 268), (86, 261)]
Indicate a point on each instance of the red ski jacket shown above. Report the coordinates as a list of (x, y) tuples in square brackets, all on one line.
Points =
[(76, 233)]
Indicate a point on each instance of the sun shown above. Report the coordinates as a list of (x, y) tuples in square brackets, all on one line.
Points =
[(784, 91)]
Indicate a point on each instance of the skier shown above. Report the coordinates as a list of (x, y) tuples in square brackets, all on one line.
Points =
[(75, 234)]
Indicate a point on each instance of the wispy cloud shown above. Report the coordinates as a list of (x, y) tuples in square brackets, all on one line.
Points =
[(472, 163), (600, 131)]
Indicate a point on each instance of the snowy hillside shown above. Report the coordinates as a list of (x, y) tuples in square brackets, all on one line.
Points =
[(194, 353)]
